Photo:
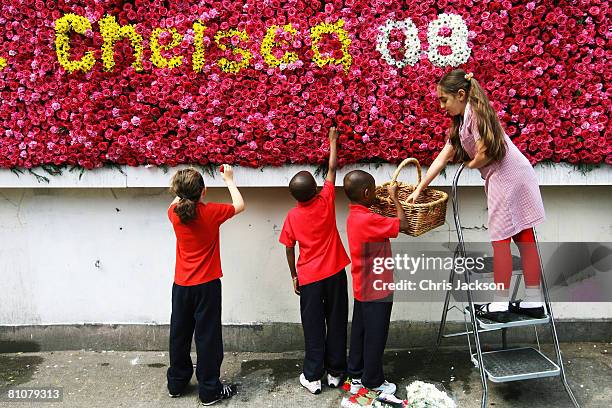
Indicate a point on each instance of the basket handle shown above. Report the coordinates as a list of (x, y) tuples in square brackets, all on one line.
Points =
[(402, 164)]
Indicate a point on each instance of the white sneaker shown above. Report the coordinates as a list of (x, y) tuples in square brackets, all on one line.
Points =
[(312, 386), (498, 307), (333, 382), (356, 385), (391, 399), (386, 388), (531, 305)]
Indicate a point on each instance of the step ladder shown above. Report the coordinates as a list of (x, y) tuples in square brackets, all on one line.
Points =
[(507, 364)]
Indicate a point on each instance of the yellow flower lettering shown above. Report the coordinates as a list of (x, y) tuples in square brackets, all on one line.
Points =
[(317, 32), (156, 49), (111, 33), (269, 42), (198, 56), (63, 26), (233, 66)]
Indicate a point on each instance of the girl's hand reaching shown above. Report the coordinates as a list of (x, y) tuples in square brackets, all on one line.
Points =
[(228, 172), (228, 176), (412, 198)]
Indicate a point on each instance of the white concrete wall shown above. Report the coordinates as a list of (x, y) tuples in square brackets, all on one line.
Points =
[(106, 255), (561, 174)]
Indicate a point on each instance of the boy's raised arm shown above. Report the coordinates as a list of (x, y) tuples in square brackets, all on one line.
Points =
[(333, 155)]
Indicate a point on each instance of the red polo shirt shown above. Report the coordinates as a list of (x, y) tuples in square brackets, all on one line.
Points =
[(197, 243), (313, 225), (368, 237)]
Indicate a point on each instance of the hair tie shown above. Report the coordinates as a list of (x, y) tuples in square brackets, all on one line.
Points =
[(469, 76)]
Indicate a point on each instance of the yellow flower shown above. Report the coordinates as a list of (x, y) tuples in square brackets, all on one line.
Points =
[(226, 65), (3, 63), (198, 55), (269, 42), (156, 48), (113, 32), (317, 32), (63, 26)]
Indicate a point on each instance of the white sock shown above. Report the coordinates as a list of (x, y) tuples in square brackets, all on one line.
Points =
[(533, 297), (500, 301)]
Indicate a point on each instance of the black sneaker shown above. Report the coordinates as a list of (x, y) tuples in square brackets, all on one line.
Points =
[(482, 311), (175, 392), (228, 391), (534, 312)]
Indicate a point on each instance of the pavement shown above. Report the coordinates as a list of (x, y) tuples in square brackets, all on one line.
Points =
[(137, 379)]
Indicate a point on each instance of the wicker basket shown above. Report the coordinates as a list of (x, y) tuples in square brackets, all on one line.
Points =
[(427, 213)]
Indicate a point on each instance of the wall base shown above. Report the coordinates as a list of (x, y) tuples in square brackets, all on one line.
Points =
[(268, 337)]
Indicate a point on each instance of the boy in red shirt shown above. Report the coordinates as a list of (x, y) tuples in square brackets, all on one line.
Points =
[(368, 235), (196, 292), (320, 278)]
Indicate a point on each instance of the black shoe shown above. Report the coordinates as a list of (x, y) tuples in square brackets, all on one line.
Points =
[(482, 311), (175, 392), (534, 312), (228, 391)]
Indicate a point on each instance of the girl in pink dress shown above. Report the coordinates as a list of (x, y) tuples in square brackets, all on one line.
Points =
[(514, 202)]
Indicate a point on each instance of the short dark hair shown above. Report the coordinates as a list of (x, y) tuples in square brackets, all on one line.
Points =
[(355, 183), (303, 186)]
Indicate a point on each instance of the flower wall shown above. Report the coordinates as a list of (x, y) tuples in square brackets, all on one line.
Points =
[(256, 83)]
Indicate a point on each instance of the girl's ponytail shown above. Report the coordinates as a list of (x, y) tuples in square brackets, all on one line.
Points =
[(187, 185), (488, 124), (186, 210)]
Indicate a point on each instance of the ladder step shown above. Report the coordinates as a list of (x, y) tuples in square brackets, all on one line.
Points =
[(516, 320), (516, 365)]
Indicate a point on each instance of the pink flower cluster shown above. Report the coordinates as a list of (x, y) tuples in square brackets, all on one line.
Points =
[(544, 65)]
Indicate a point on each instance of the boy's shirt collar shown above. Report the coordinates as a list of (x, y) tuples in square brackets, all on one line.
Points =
[(358, 207), (307, 203)]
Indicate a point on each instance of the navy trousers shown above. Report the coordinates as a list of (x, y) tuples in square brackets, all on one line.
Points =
[(369, 332), (196, 309), (324, 310)]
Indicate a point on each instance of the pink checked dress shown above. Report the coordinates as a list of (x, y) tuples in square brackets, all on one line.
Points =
[(513, 192)]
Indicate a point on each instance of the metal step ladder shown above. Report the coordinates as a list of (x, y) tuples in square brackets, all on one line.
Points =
[(507, 364)]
